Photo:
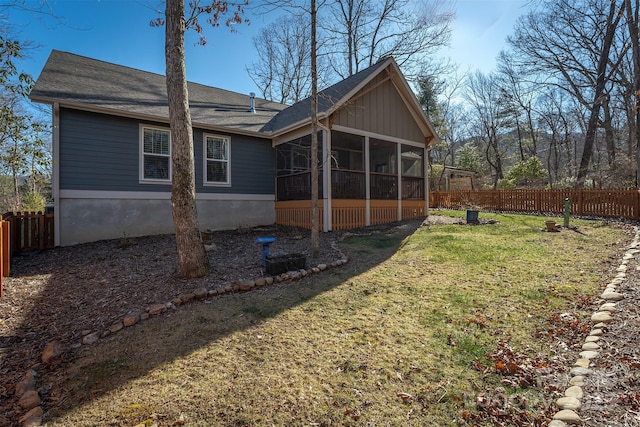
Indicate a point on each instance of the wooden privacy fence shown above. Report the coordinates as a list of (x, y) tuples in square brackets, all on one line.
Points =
[(30, 230), (622, 203), (5, 253)]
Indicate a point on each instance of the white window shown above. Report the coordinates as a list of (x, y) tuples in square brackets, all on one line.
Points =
[(216, 160), (155, 154)]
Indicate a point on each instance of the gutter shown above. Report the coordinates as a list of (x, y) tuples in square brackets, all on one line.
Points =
[(147, 117)]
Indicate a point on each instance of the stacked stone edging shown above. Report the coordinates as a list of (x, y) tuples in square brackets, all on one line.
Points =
[(29, 399), (570, 403), (240, 285)]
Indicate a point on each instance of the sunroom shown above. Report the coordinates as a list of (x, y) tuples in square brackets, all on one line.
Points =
[(362, 180), (372, 153)]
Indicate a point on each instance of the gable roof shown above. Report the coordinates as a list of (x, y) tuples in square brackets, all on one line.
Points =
[(327, 99), (342, 93), (80, 82), (88, 84)]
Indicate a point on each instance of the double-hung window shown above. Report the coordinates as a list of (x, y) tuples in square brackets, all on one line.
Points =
[(155, 154), (217, 151)]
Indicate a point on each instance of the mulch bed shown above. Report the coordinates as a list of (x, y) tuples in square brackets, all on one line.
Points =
[(62, 293)]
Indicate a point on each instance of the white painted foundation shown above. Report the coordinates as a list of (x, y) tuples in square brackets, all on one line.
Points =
[(91, 216)]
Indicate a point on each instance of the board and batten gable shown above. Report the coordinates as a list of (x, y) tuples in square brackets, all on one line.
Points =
[(379, 108), (102, 196)]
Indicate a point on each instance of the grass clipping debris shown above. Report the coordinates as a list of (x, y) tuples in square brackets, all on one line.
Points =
[(440, 325)]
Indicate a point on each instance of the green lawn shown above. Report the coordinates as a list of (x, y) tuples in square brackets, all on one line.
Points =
[(444, 325)]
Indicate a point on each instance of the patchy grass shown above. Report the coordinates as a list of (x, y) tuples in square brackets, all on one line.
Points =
[(420, 328)]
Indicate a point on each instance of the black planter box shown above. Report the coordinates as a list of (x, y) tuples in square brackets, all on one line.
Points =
[(472, 216), (282, 263)]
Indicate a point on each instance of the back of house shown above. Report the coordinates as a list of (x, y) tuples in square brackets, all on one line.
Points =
[(112, 152)]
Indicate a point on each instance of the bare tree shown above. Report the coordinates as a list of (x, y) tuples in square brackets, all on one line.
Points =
[(520, 96), (352, 35), (315, 220), (555, 124), (302, 9), (613, 18), (282, 70), (568, 44), (360, 32), (191, 255), (632, 13), (483, 95)]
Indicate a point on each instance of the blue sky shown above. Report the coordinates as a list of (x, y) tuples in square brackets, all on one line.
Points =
[(118, 31)]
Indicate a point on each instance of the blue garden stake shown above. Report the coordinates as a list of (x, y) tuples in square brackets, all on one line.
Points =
[(266, 241)]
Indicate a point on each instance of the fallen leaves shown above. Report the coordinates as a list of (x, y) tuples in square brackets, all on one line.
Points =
[(518, 371)]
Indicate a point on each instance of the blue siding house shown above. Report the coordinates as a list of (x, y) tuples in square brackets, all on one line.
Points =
[(112, 151)]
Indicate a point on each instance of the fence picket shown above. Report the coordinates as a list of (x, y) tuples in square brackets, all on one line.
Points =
[(30, 230), (619, 203), (5, 252)]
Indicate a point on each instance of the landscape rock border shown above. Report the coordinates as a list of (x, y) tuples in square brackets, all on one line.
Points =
[(241, 285), (570, 404), (26, 391)]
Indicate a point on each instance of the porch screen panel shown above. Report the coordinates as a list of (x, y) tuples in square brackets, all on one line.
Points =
[(347, 166), (383, 165), (412, 172), (293, 169)]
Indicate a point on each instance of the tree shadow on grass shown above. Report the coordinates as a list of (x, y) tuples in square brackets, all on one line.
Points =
[(89, 372)]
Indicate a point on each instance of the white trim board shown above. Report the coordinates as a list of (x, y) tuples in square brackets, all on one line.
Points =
[(159, 195), (377, 136)]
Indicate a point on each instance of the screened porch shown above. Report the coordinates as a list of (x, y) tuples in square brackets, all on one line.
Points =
[(362, 180)]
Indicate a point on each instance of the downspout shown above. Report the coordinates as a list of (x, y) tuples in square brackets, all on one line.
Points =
[(55, 184)]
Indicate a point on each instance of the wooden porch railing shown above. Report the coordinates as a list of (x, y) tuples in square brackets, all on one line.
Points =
[(609, 203)]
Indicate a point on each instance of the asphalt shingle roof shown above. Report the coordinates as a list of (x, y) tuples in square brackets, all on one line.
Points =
[(327, 98), (79, 81)]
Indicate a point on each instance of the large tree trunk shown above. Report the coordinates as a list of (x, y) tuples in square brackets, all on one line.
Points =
[(633, 22), (610, 138), (612, 22), (191, 255), (315, 220)]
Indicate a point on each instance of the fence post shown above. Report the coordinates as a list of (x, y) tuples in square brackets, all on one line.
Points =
[(2, 254), (5, 251), (580, 204), (6, 248), (16, 233), (41, 239)]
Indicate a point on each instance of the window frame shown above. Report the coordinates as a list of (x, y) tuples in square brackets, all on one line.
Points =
[(142, 178), (205, 160)]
